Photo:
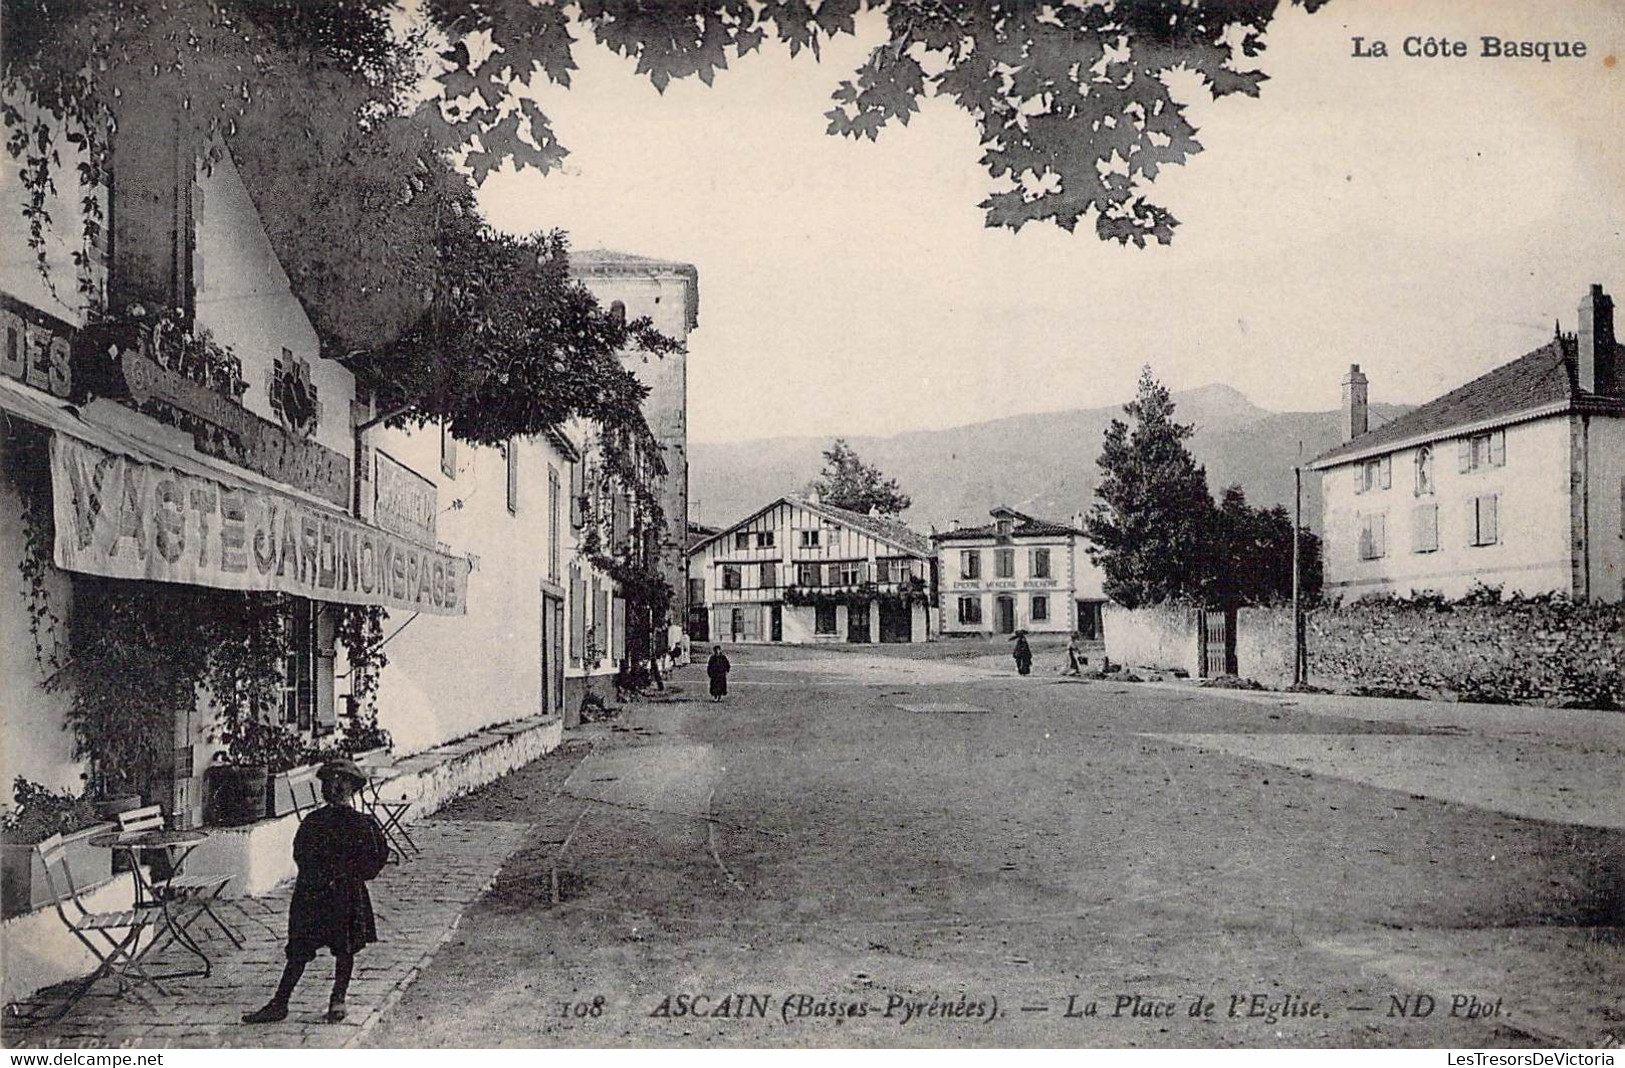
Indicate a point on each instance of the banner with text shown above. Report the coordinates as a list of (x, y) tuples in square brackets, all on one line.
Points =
[(121, 517)]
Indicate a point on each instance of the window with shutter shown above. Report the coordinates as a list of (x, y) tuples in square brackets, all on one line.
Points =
[(512, 455), (770, 575), (1387, 468), (1004, 563), (448, 452), (1498, 448), (1359, 478), (730, 577), (1465, 455), (553, 521), (1485, 519), (1040, 563), (578, 615), (970, 564), (1425, 528), (578, 494), (742, 540), (1424, 471), (1040, 608)]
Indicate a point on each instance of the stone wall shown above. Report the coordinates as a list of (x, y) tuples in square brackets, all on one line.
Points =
[(1164, 637), (1538, 650), (1541, 650), (1264, 645)]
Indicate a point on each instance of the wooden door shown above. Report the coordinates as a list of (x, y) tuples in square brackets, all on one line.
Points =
[(777, 623), (896, 622), (1006, 608), (857, 623)]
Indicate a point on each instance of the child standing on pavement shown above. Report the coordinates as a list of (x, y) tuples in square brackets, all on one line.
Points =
[(337, 851)]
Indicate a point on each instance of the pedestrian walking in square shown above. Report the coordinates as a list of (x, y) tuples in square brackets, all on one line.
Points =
[(337, 850), (1023, 653), (717, 668)]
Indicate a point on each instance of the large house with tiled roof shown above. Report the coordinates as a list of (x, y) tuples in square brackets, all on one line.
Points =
[(1020, 572), (1515, 480), (801, 570)]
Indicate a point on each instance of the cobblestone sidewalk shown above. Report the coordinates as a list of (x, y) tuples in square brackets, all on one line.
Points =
[(418, 905)]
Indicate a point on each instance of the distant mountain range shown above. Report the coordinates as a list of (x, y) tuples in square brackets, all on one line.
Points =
[(1041, 464)]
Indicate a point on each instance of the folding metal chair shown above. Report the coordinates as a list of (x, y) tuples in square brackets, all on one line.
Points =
[(305, 790), (113, 938), (179, 891), (389, 813)]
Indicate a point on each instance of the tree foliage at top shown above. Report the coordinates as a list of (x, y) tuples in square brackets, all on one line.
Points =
[(1070, 99), (378, 231), (1151, 528), (1253, 564), (1157, 534), (847, 482)]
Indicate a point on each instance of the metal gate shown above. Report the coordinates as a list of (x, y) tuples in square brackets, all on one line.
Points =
[(1218, 642)]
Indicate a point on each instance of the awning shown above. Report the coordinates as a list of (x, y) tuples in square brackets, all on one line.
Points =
[(130, 508)]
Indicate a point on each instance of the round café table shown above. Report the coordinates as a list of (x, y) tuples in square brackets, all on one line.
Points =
[(150, 892)]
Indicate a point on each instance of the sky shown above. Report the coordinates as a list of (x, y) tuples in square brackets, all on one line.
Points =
[(1427, 219)]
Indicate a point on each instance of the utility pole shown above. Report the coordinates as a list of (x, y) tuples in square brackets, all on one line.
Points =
[(1300, 655)]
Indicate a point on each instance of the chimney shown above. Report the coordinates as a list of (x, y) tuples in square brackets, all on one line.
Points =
[(1077, 521), (874, 511), (953, 524), (814, 495), (1596, 337), (1355, 416)]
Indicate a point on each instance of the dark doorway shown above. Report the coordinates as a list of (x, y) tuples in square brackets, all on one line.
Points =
[(776, 624), (1005, 609), (857, 623), (896, 622)]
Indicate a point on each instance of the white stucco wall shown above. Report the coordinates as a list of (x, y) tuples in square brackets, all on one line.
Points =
[(1532, 555), (451, 675), (1072, 576), (1606, 506), (36, 745), (245, 301)]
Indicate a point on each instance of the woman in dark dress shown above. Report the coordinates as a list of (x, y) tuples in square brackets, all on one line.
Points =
[(337, 850), (1023, 653), (717, 668)]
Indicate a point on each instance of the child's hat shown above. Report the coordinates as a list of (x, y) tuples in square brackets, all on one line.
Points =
[(342, 769)]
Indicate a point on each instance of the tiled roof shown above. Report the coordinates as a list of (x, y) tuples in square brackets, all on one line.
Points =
[(1543, 378), (1025, 526), (890, 530)]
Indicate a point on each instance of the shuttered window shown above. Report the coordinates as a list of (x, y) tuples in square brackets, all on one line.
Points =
[(1485, 519), (1004, 563), (1040, 563), (1425, 528), (511, 453), (770, 575), (1373, 536), (578, 616)]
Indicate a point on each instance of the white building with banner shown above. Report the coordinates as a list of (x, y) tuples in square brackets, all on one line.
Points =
[(179, 455)]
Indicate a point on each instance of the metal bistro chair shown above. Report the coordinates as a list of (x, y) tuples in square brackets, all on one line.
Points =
[(180, 891), (389, 813), (113, 938), (305, 790)]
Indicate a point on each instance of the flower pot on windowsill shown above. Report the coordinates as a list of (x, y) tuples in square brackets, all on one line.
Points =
[(235, 794), (23, 887)]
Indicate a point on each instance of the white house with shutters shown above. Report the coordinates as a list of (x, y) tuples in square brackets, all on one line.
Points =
[(802, 571), (1515, 480), (1020, 573)]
